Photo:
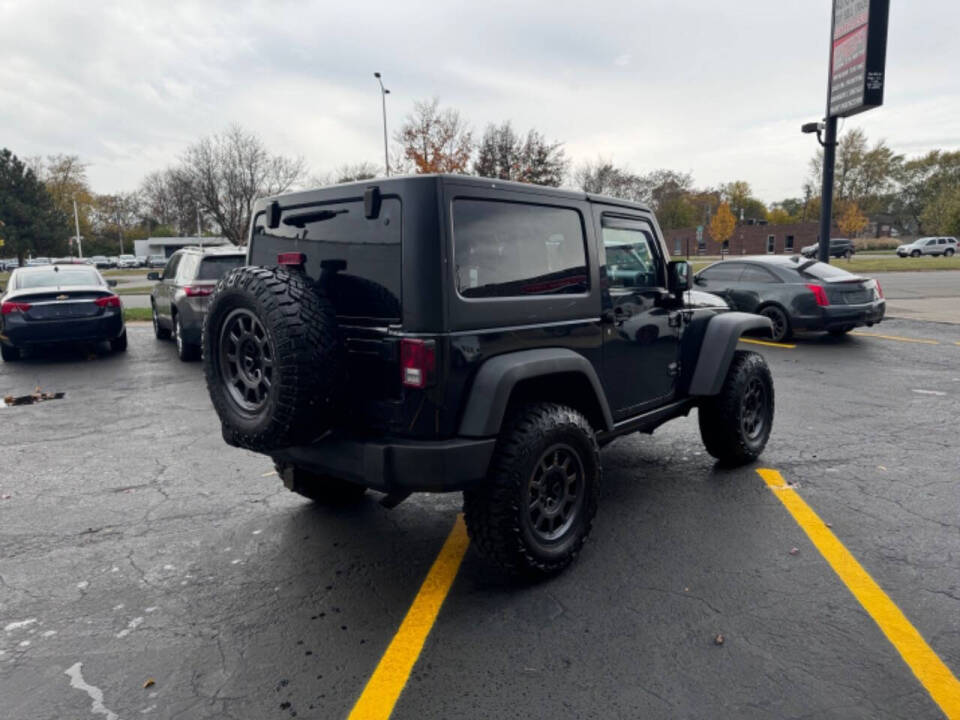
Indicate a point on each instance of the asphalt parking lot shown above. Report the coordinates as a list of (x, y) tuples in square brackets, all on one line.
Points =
[(149, 570)]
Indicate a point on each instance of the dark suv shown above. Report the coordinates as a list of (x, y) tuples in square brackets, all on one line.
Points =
[(839, 248), (441, 333), (179, 300)]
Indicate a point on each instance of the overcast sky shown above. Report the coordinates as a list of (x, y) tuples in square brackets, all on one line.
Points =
[(715, 89)]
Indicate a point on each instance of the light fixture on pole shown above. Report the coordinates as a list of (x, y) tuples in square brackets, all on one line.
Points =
[(383, 96)]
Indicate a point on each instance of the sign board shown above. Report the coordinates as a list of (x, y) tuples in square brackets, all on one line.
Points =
[(858, 55), (699, 234)]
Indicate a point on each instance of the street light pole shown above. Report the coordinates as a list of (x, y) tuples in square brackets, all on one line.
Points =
[(383, 96), (76, 224), (826, 193)]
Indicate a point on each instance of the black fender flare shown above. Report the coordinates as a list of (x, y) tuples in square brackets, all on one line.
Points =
[(716, 351), (496, 378)]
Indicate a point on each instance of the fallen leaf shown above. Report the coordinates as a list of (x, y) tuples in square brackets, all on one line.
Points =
[(881, 467), (149, 683), (5, 497), (794, 551), (718, 640)]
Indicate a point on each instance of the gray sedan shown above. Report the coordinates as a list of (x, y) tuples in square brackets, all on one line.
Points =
[(796, 293)]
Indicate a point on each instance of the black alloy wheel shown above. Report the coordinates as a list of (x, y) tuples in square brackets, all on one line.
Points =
[(555, 492), (247, 360), (753, 409), (780, 322)]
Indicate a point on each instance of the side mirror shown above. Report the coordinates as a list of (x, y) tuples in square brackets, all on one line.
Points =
[(112, 283), (153, 276), (679, 277)]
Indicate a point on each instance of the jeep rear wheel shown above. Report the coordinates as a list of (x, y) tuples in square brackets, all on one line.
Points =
[(271, 358), (735, 425), (321, 489), (537, 507)]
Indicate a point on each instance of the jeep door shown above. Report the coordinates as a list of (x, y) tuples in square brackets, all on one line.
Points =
[(641, 334)]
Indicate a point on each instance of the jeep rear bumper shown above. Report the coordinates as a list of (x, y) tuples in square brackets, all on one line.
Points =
[(397, 465)]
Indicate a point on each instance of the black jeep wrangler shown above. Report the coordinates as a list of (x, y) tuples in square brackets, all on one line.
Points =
[(441, 333)]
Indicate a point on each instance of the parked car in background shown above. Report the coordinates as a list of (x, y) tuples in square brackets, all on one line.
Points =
[(181, 296), (141, 261), (38, 261), (796, 294), (57, 304), (113, 259), (839, 247), (946, 246), (127, 262), (9, 264), (100, 262), (156, 261)]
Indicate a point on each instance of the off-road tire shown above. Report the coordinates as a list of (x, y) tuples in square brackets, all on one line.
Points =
[(321, 489), (187, 352), (301, 337), (8, 353), (119, 344), (497, 513), (161, 333), (723, 418), (781, 330)]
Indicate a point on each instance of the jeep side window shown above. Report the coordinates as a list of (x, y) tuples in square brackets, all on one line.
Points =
[(504, 249), (631, 255)]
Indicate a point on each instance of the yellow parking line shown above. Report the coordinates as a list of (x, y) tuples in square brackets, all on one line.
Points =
[(929, 669), (387, 682), (898, 339), (783, 346)]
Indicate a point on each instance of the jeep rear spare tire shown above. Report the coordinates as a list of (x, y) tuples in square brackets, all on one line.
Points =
[(271, 358)]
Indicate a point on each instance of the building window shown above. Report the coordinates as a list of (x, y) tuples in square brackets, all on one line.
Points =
[(789, 245), (771, 244), (677, 246)]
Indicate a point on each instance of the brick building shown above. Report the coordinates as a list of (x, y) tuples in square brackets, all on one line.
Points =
[(746, 240)]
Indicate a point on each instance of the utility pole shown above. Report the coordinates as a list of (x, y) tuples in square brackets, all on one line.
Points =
[(383, 96), (826, 191), (76, 224), (199, 233)]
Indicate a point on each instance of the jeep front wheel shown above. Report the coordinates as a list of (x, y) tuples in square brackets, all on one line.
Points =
[(535, 510), (271, 358), (735, 425)]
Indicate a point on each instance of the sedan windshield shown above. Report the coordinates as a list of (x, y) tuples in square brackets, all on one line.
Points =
[(57, 278)]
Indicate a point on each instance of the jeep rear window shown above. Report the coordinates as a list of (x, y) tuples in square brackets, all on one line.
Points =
[(506, 249), (357, 259)]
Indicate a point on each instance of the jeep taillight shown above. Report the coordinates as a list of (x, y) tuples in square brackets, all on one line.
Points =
[(418, 362), (820, 294), (291, 259)]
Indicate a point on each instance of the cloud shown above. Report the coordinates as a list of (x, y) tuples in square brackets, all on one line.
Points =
[(718, 90)]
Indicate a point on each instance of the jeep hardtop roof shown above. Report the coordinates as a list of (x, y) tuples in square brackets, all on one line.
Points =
[(305, 197)]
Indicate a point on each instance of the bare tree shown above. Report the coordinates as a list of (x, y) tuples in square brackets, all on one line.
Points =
[(227, 172), (168, 201), (435, 140), (505, 155), (604, 178)]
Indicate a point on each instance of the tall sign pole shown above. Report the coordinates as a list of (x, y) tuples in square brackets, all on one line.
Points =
[(858, 59)]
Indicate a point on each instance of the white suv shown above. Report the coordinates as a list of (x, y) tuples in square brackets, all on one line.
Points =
[(945, 246)]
